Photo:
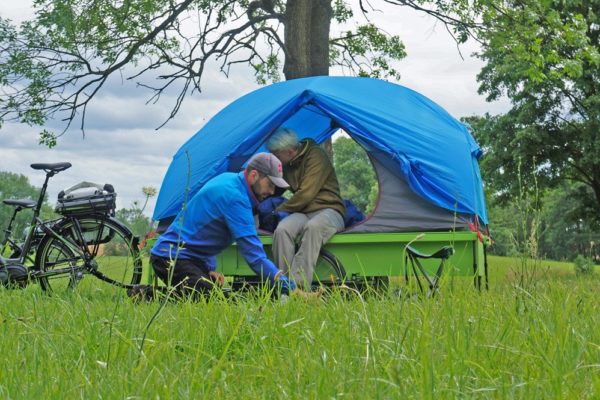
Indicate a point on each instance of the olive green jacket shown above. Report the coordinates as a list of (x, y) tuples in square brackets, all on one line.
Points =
[(313, 181)]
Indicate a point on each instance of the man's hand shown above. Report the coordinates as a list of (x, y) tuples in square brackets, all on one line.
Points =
[(217, 277)]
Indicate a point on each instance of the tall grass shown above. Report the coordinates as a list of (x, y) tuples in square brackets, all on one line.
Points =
[(461, 344)]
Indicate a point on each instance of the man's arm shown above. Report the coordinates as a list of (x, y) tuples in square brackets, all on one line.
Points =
[(211, 263), (254, 254), (240, 222), (318, 168)]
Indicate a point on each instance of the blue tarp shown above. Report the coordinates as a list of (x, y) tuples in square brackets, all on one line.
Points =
[(408, 133)]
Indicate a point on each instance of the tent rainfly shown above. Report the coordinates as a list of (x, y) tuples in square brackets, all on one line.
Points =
[(426, 161)]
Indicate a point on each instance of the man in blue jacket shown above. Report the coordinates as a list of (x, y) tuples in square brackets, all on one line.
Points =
[(220, 213)]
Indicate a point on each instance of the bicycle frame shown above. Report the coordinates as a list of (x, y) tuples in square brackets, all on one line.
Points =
[(35, 222), (7, 237)]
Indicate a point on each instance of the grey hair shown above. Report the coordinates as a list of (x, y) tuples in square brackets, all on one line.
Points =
[(283, 139)]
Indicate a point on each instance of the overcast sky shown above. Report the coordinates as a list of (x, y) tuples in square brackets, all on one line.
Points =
[(123, 147)]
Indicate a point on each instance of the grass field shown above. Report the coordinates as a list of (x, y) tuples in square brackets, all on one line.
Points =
[(538, 341)]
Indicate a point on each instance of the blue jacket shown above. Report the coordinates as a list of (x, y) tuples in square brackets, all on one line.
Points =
[(218, 214)]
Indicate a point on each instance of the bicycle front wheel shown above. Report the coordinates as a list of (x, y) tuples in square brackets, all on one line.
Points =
[(109, 247)]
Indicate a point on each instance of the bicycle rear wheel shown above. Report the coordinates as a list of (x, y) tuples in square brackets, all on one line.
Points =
[(111, 249)]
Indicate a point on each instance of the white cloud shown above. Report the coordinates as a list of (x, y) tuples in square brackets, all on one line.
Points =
[(433, 66)]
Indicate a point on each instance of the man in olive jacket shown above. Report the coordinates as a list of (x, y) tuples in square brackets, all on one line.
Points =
[(316, 208)]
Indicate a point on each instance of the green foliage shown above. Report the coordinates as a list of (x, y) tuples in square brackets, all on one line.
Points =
[(513, 226), (545, 56), (502, 230), (267, 71), (377, 49), (48, 138), (355, 174), (542, 50), (567, 223), (583, 265), (134, 217), (342, 12)]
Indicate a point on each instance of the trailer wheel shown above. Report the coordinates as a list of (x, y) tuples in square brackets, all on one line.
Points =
[(329, 271)]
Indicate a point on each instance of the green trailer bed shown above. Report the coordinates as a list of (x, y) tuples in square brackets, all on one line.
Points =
[(368, 256)]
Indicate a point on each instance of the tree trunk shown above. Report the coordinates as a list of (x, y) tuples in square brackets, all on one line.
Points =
[(306, 38), (596, 188)]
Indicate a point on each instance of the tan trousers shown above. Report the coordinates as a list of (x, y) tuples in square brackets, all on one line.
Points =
[(313, 230)]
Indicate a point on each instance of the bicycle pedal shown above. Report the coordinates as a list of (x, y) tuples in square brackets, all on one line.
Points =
[(93, 265)]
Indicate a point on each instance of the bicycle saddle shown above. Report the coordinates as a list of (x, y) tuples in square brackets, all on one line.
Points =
[(56, 167), (25, 203)]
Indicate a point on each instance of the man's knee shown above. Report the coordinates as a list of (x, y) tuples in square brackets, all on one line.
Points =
[(285, 230), (313, 226), (161, 267), (320, 225)]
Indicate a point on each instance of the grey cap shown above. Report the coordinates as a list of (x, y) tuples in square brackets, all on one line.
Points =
[(269, 165)]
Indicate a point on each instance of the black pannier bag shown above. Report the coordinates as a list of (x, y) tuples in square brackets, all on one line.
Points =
[(87, 198)]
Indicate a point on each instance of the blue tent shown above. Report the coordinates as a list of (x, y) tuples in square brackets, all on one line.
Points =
[(411, 141)]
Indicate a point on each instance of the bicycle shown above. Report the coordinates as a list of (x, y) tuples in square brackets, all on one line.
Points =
[(86, 240)]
